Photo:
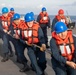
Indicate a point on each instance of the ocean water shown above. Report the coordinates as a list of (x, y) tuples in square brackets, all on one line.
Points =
[(73, 18)]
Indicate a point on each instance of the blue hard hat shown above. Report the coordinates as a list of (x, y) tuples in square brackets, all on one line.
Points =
[(43, 9), (11, 9), (60, 27), (16, 16), (29, 17), (4, 10), (32, 13)]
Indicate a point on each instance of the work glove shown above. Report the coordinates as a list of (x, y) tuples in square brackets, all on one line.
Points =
[(43, 47)]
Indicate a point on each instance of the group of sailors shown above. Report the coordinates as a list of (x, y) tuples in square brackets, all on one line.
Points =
[(32, 34)]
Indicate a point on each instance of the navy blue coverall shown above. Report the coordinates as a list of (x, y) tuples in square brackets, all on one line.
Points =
[(37, 57), (19, 48), (44, 28), (6, 45)]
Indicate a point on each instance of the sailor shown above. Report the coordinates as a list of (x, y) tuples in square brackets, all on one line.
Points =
[(44, 22), (63, 48), (33, 35), (60, 17), (11, 13), (5, 29), (19, 46)]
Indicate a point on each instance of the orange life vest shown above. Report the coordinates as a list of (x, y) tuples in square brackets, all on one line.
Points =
[(10, 14), (66, 46), (61, 18), (0, 17), (18, 27), (31, 34), (6, 22), (44, 18)]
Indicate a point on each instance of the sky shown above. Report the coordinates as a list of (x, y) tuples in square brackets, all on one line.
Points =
[(52, 6)]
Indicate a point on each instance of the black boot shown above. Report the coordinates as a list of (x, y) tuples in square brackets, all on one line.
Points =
[(25, 68), (5, 58), (18, 61), (43, 73)]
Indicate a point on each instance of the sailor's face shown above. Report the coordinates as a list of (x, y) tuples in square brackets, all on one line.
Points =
[(61, 14), (12, 11), (17, 21), (44, 12), (62, 35), (30, 24), (5, 14)]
